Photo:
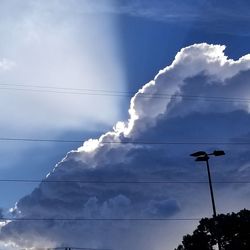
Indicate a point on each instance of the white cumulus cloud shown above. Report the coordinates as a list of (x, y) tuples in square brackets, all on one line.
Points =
[(177, 105)]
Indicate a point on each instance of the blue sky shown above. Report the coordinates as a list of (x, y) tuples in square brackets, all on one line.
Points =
[(117, 46)]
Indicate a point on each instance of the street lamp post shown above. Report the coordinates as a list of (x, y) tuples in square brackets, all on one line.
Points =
[(204, 156)]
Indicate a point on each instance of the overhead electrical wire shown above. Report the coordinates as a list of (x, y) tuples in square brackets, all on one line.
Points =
[(70, 248), (122, 181), (98, 219), (130, 94), (117, 92), (238, 142), (40, 140)]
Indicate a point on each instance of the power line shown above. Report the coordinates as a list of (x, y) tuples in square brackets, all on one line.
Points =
[(99, 219), (69, 248), (122, 182), (39, 140), (110, 93), (141, 95), (131, 142), (66, 88), (70, 93), (118, 92)]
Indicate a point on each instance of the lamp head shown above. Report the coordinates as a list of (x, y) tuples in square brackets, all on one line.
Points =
[(218, 153), (199, 154)]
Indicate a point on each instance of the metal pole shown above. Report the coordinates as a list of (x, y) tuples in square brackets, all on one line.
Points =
[(211, 189), (213, 202)]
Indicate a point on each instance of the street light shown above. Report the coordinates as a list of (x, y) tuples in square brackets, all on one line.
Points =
[(204, 156)]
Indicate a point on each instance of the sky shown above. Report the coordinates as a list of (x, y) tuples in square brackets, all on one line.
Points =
[(104, 73)]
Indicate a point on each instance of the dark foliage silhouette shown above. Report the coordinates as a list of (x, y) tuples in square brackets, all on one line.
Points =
[(232, 229)]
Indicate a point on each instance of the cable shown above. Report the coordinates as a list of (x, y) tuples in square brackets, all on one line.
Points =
[(130, 142), (122, 182), (71, 248), (65, 92), (118, 92), (65, 88), (99, 219), (92, 92), (39, 140)]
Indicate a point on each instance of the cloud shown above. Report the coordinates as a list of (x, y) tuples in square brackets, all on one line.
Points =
[(178, 105), (161, 208)]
